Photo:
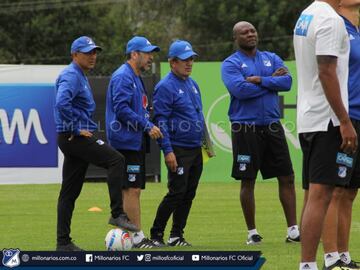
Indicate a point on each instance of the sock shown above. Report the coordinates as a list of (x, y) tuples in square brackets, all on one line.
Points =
[(252, 232), (138, 237), (331, 258), (308, 266), (345, 257), (293, 231)]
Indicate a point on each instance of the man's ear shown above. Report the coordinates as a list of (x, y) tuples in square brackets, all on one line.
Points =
[(134, 55)]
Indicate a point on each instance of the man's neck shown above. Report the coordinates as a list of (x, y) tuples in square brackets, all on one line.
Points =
[(179, 75), (81, 68), (351, 13), (333, 3), (134, 67), (250, 53)]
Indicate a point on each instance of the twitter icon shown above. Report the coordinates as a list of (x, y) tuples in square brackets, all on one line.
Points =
[(140, 258)]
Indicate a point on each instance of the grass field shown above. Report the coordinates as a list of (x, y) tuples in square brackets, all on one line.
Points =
[(28, 220)]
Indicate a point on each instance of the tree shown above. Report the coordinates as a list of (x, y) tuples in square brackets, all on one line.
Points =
[(210, 24), (41, 31)]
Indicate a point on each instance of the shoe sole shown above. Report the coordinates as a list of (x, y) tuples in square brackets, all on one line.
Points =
[(144, 247), (162, 246), (287, 240), (171, 245), (349, 268), (253, 243), (122, 227)]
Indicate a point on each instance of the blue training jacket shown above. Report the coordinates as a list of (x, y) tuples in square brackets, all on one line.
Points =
[(354, 70), (178, 112), (74, 105), (251, 103), (126, 110)]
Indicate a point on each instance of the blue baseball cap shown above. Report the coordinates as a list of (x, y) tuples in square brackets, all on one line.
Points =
[(84, 44), (140, 44), (181, 49)]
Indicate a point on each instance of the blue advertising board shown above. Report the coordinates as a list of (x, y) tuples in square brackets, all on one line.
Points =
[(27, 128)]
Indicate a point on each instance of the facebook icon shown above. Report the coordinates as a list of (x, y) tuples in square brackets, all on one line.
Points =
[(27, 128)]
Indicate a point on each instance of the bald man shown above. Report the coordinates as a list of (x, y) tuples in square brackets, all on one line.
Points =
[(253, 79)]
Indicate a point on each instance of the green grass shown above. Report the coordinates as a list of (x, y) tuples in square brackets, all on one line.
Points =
[(28, 219)]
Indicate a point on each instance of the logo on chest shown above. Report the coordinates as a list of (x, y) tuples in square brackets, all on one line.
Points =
[(267, 63), (145, 101)]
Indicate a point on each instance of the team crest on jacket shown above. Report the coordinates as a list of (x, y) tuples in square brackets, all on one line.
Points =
[(267, 63), (145, 101), (11, 257)]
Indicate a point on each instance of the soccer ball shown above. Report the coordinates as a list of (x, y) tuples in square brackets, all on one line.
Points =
[(118, 240)]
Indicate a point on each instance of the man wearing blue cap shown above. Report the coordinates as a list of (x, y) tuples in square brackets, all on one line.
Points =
[(74, 108), (253, 79), (178, 112), (127, 124)]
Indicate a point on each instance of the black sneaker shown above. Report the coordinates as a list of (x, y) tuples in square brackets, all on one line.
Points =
[(145, 243), (255, 239), (292, 240), (158, 242), (339, 265), (123, 222), (68, 247), (352, 265), (178, 242)]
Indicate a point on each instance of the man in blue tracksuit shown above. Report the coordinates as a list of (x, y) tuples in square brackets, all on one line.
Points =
[(74, 109), (336, 229), (178, 112), (253, 79), (350, 12), (127, 122)]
